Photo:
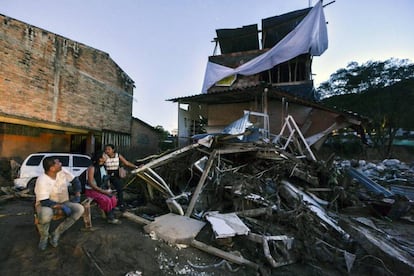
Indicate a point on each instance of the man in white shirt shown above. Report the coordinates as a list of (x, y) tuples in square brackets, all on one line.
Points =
[(52, 198)]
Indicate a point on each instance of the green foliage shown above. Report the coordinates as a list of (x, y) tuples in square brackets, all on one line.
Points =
[(357, 78), (381, 91), (162, 133), (166, 141)]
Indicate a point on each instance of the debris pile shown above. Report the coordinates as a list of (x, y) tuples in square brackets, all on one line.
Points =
[(267, 203), (265, 206), (8, 193)]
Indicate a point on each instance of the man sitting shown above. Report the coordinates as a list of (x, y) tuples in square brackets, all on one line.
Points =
[(52, 199)]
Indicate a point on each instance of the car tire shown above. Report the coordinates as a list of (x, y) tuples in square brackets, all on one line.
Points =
[(31, 186)]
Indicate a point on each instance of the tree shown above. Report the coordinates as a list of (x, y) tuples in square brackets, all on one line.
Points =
[(165, 141), (357, 78), (382, 91)]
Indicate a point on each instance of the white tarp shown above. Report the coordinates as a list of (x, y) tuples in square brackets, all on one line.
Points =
[(310, 36)]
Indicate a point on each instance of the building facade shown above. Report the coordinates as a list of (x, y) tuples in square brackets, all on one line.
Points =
[(58, 94)]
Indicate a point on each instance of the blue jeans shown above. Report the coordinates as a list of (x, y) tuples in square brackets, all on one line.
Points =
[(45, 214)]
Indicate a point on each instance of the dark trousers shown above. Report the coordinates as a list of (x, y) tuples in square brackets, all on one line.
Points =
[(117, 183)]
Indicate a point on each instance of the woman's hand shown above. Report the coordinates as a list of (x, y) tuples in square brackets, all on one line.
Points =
[(108, 192)]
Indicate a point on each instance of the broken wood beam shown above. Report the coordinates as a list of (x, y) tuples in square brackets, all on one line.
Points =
[(7, 190), (87, 218), (223, 254), (305, 176), (255, 212), (4, 198), (270, 154), (163, 159), (381, 246), (135, 218), (312, 190), (200, 184), (313, 205), (237, 149)]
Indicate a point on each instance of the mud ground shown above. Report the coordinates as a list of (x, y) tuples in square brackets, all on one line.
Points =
[(110, 250), (127, 250)]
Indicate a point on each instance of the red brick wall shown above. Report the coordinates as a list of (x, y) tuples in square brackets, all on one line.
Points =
[(47, 77)]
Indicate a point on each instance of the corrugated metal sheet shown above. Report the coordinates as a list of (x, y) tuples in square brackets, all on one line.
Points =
[(239, 39), (246, 38), (277, 27), (292, 92)]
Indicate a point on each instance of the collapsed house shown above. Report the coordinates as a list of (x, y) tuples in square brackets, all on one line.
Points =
[(246, 184), (246, 171), (230, 193), (274, 79)]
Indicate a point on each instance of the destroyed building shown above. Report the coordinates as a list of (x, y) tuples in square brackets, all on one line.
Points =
[(251, 191), (247, 186), (272, 76), (59, 94)]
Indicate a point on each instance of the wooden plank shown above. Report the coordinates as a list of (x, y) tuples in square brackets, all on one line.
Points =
[(87, 219), (381, 245), (200, 183), (223, 254), (135, 218), (163, 159)]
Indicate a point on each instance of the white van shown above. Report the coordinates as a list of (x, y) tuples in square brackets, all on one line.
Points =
[(32, 167)]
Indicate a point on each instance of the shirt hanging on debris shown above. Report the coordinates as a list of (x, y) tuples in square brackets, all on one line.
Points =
[(310, 36), (226, 225)]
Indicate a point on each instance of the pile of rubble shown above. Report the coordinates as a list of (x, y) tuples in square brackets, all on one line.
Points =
[(267, 203), (264, 206)]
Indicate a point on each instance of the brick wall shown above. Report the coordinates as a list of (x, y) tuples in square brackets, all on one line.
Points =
[(47, 77), (144, 139)]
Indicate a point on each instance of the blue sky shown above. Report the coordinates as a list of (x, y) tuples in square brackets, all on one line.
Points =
[(163, 45)]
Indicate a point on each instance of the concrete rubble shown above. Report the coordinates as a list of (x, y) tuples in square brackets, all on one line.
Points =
[(261, 204), (264, 206)]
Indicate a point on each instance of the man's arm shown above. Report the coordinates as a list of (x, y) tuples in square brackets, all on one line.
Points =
[(48, 203), (57, 207), (76, 184)]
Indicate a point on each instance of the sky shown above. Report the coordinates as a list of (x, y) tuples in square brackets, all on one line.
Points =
[(164, 45)]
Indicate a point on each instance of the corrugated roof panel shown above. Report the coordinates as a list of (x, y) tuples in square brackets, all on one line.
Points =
[(239, 39), (277, 27)]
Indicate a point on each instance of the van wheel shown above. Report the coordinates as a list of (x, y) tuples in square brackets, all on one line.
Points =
[(31, 185)]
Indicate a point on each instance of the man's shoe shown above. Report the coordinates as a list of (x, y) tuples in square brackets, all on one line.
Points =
[(54, 240), (43, 244), (114, 221)]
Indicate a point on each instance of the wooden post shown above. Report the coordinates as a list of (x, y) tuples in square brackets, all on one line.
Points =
[(135, 218), (201, 183), (87, 219), (223, 254)]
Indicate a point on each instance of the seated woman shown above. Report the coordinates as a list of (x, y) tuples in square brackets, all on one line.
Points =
[(97, 187)]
